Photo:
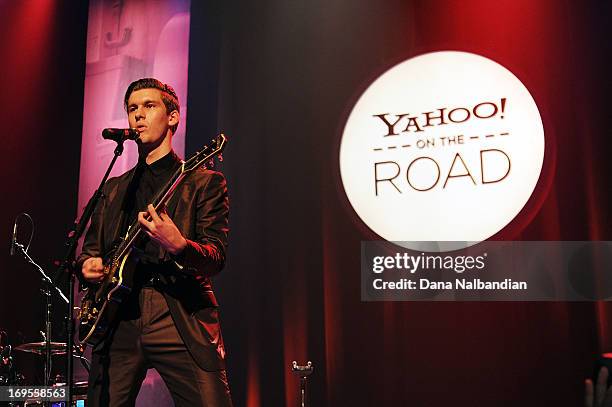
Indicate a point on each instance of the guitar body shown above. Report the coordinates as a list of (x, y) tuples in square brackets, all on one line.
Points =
[(100, 305)]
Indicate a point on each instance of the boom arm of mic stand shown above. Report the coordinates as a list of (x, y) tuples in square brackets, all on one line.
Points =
[(44, 275), (68, 265)]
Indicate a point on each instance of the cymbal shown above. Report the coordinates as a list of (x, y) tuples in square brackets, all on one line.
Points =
[(40, 348)]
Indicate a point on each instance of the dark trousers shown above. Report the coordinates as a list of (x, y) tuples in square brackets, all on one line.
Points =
[(152, 341)]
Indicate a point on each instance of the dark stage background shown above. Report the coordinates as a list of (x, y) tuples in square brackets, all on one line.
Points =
[(42, 44), (279, 77)]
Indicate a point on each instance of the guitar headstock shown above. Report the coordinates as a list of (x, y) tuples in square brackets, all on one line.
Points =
[(206, 155)]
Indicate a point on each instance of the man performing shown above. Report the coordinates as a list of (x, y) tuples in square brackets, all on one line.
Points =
[(170, 322)]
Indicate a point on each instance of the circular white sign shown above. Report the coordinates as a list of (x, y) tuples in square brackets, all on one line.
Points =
[(446, 146)]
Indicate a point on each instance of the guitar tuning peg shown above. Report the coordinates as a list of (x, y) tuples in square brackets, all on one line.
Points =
[(220, 157)]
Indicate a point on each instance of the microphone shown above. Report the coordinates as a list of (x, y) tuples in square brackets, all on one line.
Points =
[(14, 239), (120, 135)]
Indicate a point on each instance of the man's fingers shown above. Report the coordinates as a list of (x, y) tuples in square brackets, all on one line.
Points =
[(93, 276), (96, 264), (154, 216), (143, 221), (93, 263)]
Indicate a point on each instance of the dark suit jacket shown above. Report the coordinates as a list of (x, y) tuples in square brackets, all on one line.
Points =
[(199, 208)]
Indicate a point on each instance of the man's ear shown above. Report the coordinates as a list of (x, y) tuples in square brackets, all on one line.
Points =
[(173, 118)]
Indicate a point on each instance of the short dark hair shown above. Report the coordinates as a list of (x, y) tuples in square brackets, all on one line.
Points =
[(168, 95)]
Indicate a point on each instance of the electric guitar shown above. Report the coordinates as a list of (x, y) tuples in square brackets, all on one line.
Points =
[(100, 305)]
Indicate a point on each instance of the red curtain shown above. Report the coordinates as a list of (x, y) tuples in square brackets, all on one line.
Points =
[(291, 72)]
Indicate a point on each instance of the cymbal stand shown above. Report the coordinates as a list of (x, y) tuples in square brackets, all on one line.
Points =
[(49, 287)]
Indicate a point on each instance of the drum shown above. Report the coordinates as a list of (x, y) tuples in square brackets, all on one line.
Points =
[(79, 397)]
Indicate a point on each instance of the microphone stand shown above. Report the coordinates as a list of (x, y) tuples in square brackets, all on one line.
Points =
[(68, 265)]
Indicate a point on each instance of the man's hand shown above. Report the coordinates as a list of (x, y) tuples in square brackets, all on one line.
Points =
[(93, 270), (600, 395), (161, 229)]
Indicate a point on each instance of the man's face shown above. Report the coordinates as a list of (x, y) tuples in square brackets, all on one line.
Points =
[(147, 114)]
